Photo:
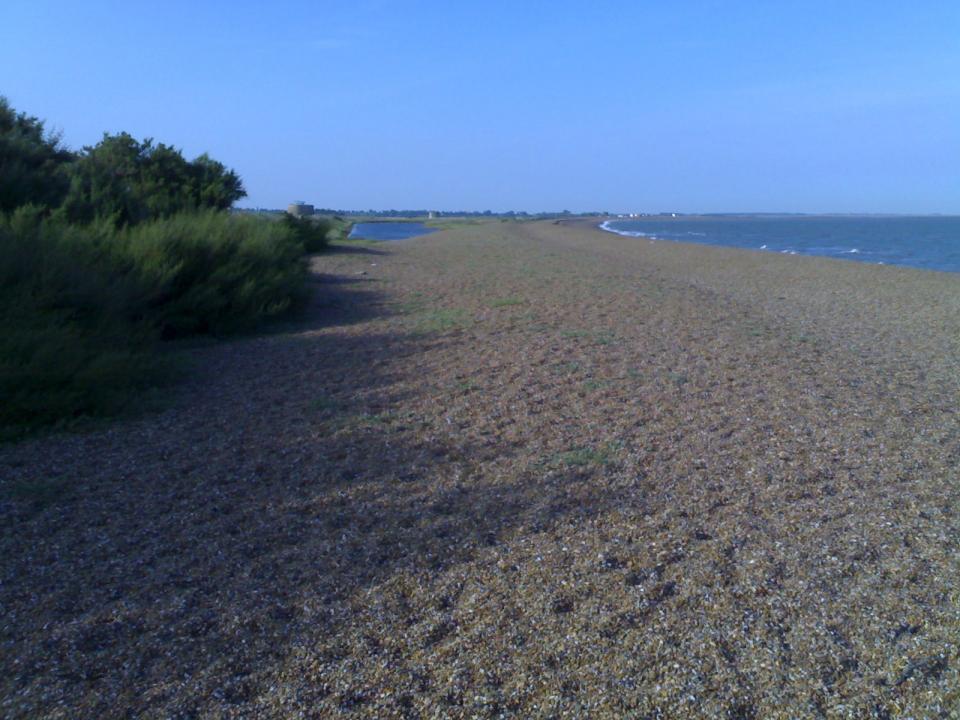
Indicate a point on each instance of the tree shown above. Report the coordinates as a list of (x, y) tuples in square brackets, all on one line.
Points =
[(130, 182), (212, 185), (119, 178), (33, 162)]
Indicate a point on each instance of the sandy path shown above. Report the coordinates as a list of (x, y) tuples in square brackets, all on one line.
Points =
[(523, 470)]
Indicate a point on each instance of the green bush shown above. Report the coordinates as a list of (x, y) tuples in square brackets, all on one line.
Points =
[(339, 229), (311, 233), (316, 233), (213, 273), (52, 371), (82, 307), (67, 347)]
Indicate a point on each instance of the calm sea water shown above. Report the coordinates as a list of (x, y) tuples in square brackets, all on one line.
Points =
[(389, 230), (932, 243)]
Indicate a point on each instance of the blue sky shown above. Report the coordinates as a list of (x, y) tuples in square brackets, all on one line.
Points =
[(622, 106)]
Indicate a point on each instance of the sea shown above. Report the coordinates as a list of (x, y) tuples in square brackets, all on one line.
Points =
[(389, 230), (927, 242)]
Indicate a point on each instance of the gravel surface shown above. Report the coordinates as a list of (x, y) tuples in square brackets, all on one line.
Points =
[(515, 470)]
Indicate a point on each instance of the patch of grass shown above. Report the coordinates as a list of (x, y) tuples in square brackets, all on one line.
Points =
[(416, 303), (374, 420), (602, 337), (591, 385), (507, 302), (465, 385), (323, 404), (585, 456), (362, 421), (449, 223), (678, 379), (356, 242), (443, 320), (428, 319), (567, 367)]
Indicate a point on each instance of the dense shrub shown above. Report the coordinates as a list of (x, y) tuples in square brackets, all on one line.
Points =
[(317, 232), (337, 228), (67, 346), (311, 232), (82, 307), (213, 273)]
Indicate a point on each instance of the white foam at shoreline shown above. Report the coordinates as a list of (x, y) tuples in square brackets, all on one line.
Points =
[(605, 225)]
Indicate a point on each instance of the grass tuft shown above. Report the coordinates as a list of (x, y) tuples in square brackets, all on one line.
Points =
[(323, 404), (442, 320), (585, 456), (507, 302)]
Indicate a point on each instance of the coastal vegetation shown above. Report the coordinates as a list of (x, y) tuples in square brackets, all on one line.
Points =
[(107, 252), (316, 233)]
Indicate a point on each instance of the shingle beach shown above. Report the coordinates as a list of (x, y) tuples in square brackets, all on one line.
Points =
[(510, 469)]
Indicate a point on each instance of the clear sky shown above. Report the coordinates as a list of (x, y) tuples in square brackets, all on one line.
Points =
[(840, 106)]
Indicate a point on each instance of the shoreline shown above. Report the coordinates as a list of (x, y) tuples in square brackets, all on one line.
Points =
[(852, 251)]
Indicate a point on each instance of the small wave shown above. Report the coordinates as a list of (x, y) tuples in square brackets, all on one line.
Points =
[(625, 233), (855, 251), (763, 247), (605, 225)]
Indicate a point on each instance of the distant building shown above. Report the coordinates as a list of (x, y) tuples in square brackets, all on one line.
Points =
[(300, 209)]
